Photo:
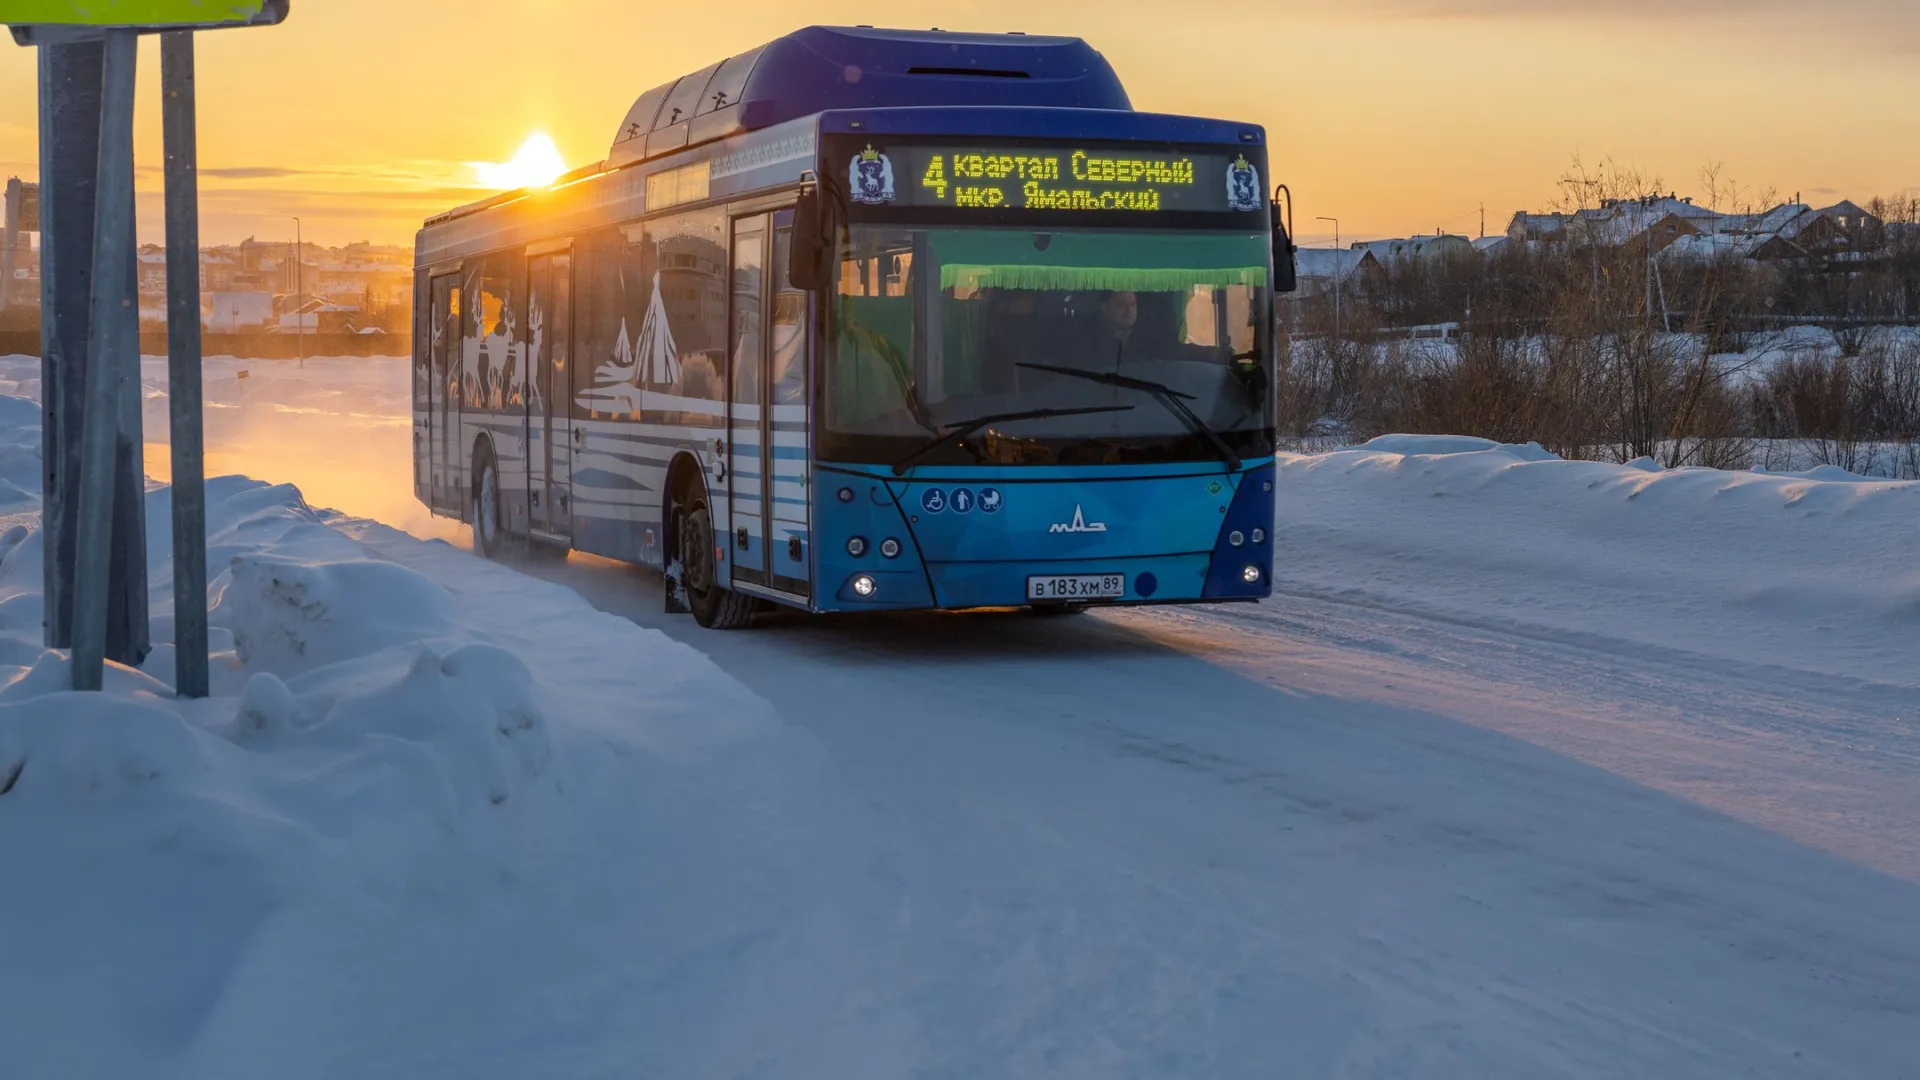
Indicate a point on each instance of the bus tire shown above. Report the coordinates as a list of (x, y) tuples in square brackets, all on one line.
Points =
[(489, 539), (714, 606)]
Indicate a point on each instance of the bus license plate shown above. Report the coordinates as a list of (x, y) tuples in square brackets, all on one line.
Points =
[(1077, 587)]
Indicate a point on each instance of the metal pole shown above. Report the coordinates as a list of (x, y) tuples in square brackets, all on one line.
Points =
[(1339, 261), (70, 83), (183, 365), (107, 346)]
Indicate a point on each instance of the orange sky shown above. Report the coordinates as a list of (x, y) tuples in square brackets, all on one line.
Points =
[(1397, 116)]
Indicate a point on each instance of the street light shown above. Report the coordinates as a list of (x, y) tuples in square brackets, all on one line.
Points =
[(1336, 274), (299, 300)]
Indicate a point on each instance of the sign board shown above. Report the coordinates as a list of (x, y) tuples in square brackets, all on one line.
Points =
[(1125, 180), (40, 22)]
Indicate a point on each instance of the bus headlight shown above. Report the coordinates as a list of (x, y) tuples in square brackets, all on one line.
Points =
[(1236, 538), (1251, 575), (856, 546), (1259, 536), (863, 585), (890, 548)]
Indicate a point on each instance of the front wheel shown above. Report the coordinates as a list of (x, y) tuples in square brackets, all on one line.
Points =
[(714, 606)]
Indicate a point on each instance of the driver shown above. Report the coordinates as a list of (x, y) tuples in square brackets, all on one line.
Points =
[(1114, 331)]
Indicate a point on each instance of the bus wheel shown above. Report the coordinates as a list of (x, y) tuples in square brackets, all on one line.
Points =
[(487, 539), (714, 607)]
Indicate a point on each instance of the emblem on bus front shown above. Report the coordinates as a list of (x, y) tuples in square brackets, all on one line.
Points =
[(1243, 185), (1079, 524), (870, 178)]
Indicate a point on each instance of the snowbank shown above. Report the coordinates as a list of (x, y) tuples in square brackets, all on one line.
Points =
[(429, 801), (1813, 572)]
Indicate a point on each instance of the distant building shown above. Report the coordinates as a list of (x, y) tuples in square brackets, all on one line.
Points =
[(234, 312), (1675, 228), (1416, 249), (1318, 269), (1537, 228)]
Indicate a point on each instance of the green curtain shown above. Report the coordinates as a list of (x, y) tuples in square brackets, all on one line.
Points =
[(1083, 261)]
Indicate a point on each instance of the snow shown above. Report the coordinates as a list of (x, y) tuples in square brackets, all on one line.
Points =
[(421, 780), (1530, 768)]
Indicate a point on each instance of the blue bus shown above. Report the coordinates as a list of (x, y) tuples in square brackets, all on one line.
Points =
[(872, 320)]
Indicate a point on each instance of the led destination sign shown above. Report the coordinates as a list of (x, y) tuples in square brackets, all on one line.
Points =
[(1054, 178)]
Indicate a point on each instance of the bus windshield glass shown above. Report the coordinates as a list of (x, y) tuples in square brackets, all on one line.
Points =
[(934, 328)]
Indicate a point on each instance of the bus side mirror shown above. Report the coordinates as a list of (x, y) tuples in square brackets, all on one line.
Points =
[(1285, 276), (810, 260)]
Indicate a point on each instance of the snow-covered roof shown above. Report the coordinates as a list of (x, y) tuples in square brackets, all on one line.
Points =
[(1329, 263), (1532, 222), (1704, 247), (1412, 247)]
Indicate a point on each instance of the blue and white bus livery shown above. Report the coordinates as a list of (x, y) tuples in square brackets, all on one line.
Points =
[(872, 320)]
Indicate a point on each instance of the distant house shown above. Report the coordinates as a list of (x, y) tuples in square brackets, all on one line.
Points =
[(153, 270), (1537, 228), (1658, 221), (1675, 228), (1320, 268), (216, 273), (1843, 226), (1421, 249), (1494, 246)]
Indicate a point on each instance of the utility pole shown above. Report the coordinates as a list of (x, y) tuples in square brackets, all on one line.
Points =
[(1339, 271)]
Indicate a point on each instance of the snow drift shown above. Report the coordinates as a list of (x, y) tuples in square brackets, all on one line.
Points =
[(401, 800), (1813, 572)]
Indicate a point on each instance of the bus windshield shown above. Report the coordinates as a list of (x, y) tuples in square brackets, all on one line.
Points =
[(934, 328)]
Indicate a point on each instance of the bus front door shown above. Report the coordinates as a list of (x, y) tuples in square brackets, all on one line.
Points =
[(767, 415), (549, 426)]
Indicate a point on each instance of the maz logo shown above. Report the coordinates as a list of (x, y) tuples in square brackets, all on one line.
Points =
[(1079, 524)]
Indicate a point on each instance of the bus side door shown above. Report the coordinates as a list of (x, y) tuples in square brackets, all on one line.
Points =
[(549, 423), (767, 415)]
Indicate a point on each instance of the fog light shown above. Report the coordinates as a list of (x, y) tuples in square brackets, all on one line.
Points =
[(1236, 538), (1251, 575), (890, 548), (857, 546), (864, 586), (1259, 536)]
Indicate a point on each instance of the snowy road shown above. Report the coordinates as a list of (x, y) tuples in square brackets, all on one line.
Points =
[(1530, 769), (1199, 842)]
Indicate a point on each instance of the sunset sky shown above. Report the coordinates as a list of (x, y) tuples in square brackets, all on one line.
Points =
[(1396, 116)]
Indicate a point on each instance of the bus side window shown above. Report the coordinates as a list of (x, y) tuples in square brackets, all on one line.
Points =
[(788, 327)]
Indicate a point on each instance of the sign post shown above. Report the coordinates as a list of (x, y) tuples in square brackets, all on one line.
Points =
[(183, 364), (95, 507)]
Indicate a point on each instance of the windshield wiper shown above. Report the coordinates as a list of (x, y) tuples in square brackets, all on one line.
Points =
[(1174, 400), (968, 427)]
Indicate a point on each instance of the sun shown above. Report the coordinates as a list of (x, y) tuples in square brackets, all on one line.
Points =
[(536, 164)]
